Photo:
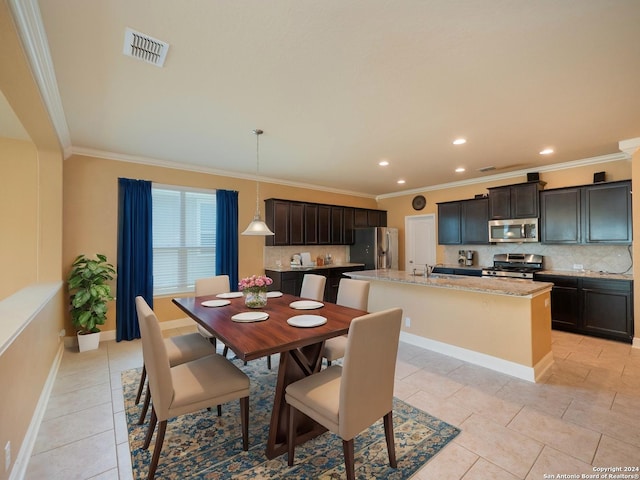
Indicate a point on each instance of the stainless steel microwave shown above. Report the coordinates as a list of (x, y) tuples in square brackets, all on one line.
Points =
[(518, 230)]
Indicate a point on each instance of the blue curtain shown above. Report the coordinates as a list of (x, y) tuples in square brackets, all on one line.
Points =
[(227, 235), (135, 254)]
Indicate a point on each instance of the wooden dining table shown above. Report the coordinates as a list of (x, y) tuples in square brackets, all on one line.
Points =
[(300, 348)]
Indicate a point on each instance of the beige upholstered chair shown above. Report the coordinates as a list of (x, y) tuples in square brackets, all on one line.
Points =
[(348, 399), (313, 286), (187, 387), (180, 349), (212, 286), (354, 294)]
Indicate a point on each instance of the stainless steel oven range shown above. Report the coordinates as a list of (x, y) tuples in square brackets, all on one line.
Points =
[(516, 265)]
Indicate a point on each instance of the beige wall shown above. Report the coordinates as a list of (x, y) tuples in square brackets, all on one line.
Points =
[(91, 211), (30, 248)]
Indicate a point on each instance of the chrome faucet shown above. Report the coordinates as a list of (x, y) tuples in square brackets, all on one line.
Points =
[(428, 270)]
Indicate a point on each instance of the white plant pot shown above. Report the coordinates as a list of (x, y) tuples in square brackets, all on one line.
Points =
[(88, 341)]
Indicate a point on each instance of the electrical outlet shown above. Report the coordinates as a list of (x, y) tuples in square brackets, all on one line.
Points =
[(407, 322), (578, 266), (7, 456)]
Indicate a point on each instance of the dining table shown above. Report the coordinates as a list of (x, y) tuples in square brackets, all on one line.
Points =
[(295, 328)]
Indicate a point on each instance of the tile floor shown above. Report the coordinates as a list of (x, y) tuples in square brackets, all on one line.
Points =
[(585, 413)]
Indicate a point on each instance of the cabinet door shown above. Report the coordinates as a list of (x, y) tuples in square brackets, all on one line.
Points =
[(296, 224), (277, 219), (373, 218), (524, 200), (348, 233), (500, 203), (337, 225), (449, 223), (475, 222), (607, 213), (360, 217), (565, 302), (311, 224), (607, 308), (324, 224), (560, 216)]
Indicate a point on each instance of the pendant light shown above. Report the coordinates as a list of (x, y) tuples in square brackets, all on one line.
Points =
[(257, 226)]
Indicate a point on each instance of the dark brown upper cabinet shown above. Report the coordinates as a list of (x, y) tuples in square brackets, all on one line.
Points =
[(588, 214), (515, 201), (304, 223), (464, 222)]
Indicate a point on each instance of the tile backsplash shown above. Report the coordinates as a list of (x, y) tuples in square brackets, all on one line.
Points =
[(596, 258), (273, 255)]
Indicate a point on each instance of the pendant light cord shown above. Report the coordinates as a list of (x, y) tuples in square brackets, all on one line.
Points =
[(258, 132)]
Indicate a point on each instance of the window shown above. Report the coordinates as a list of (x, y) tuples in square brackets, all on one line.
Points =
[(184, 237)]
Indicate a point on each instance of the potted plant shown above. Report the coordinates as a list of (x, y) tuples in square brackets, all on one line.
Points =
[(89, 294)]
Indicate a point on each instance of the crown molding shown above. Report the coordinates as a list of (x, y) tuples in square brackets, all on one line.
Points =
[(212, 171), (630, 146), (26, 15)]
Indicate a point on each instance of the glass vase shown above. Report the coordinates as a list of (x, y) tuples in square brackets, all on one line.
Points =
[(255, 297)]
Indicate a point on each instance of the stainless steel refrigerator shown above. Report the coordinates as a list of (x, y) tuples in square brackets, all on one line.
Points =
[(376, 247)]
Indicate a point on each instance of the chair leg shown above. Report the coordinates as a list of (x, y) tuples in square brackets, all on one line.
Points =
[(328, 363), (244, 420), (225, 350), (269, 362), (145, 407), (349, 464), (388, 433), (291, 434), (219, 410), (152, 426), (143, 377), (156, 450)]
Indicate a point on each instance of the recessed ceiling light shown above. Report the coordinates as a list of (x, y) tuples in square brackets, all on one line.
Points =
[(383, 163), (459, 141), (546, 151), (401, 182), (460, 169)]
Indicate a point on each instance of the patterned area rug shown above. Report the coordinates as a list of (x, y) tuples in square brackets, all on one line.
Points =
[(205, 446)]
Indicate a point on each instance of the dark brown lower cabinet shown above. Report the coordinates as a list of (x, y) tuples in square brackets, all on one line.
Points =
[(291, 282), (592, 306)]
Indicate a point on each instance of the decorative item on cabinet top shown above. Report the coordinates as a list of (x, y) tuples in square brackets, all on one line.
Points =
[(307, 223)]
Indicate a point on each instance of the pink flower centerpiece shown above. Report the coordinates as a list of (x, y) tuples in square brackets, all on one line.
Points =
[(254, 289)]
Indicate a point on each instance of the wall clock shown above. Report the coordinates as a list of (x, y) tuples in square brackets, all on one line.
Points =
[(418, 202)]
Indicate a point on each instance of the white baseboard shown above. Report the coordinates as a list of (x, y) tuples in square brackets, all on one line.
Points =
[(19, 469), (107, 335), (636, 342), (531, 374)]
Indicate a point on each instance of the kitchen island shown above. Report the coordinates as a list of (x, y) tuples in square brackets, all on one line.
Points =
[(498, 323)]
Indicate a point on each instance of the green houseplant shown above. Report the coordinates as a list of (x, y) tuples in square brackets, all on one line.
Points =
[(89, 294)]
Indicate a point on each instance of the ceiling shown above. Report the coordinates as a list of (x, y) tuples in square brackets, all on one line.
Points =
[(338, 86)]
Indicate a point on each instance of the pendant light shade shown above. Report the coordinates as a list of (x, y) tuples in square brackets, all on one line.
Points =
[(257, 226)]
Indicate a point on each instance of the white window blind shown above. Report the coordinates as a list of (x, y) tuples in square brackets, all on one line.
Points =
[(184, 237)]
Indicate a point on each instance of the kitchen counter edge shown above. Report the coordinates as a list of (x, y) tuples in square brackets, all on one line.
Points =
[(495, 286), (312, 267), (587, 274)]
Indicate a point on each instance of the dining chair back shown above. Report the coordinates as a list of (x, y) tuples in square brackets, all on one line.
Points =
[(212, 286), (313, 286), (348, 399), (351, 293), (188, 387)]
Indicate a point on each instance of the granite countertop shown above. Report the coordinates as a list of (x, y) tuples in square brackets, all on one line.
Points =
[(495, 286), (288, 268), (588, 274)]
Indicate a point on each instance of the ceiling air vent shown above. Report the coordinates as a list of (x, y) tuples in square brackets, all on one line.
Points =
[(486, 169), (143, 47)]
